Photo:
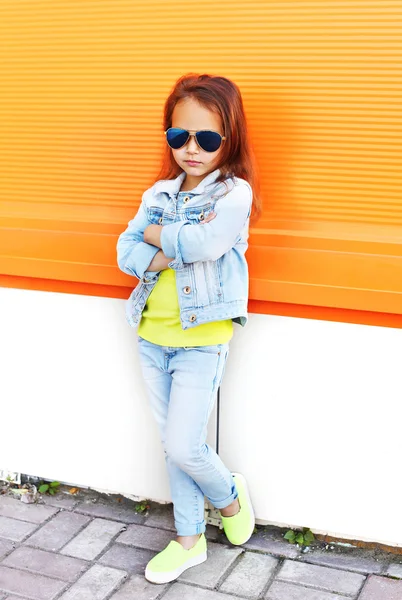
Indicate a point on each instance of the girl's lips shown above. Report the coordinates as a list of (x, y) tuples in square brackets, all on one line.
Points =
[(192, 163)]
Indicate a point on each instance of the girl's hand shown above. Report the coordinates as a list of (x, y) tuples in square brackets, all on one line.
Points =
[(152, 235), (209, 218), (160, 262)]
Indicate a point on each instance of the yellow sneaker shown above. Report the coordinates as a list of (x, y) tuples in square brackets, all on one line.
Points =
[(174, 559), (239, 527)]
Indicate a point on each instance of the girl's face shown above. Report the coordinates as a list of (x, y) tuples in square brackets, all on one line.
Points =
[(189, 114)]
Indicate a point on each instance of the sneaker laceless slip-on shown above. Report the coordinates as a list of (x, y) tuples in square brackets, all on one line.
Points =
[(174, 559), (239, 527)]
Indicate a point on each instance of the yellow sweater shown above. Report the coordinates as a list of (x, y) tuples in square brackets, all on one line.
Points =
[(160, 322)]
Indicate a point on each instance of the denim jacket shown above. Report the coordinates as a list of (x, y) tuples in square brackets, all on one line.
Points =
[(209, 259)]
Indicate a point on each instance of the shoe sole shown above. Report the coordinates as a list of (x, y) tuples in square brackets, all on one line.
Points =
[(165, 577), (245, 487)]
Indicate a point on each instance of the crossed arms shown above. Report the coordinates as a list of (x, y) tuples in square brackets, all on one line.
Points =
[(145, 248)]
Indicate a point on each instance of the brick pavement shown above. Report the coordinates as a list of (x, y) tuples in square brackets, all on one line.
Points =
[(90, 547)]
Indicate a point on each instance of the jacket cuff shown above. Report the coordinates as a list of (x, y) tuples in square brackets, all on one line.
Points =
[(150, 277), (142, 257), (170, 243)]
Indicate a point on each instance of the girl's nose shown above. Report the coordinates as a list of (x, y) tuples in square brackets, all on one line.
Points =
[(192, 145)]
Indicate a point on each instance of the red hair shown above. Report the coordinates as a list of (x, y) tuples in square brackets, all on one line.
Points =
[(223, 97)]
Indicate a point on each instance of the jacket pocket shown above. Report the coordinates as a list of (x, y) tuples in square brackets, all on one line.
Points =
[(158, 216), (155, 215), (197, 214)]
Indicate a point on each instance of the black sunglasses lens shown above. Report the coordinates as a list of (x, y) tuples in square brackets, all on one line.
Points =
[(176, 138), (209, 141)]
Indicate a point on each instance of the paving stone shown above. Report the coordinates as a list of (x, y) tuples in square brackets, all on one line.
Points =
[(11, 529), (146, 537), (331, 580), (58, 531), (90, 542), (380, 588), (133, 560), (45, 563), (161, 517), (288, 591), (209, 572), (350, 561), (138, 588), (60, 500), (33, 513), (5, 547), (111, 511), (95, 584), (263, 542), (187, 592), (395, 570), (250, 575), (29, 585), (214, 534)]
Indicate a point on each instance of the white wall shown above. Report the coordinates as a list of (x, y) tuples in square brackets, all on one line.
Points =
[(312, 414), (310, 411)]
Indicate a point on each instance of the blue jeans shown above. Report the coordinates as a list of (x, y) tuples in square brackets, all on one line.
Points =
[(182, 384)]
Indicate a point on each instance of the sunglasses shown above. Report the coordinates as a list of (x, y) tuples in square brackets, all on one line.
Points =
[(207, 140)]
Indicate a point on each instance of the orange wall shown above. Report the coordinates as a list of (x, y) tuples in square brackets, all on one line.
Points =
[(83, 86)]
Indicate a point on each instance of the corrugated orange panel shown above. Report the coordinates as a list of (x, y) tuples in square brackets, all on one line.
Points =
[(82, 89)]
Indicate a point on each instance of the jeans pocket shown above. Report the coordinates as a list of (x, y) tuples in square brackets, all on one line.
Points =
[(214, 349)]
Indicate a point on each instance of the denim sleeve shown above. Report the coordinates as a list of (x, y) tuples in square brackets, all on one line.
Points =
[(133, 254), (189, 243)]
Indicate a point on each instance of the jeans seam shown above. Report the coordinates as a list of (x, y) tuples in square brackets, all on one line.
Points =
[(209, 409)]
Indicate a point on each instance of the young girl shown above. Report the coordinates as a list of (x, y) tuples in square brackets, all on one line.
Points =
[(187, 247)]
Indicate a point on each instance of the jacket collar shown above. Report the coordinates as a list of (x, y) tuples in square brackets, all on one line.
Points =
[(172, 186)]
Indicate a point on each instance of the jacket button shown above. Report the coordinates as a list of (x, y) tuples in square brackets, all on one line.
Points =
[(193, 318), (187, 289), (160, 221), (201, 217), (186, 198)]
